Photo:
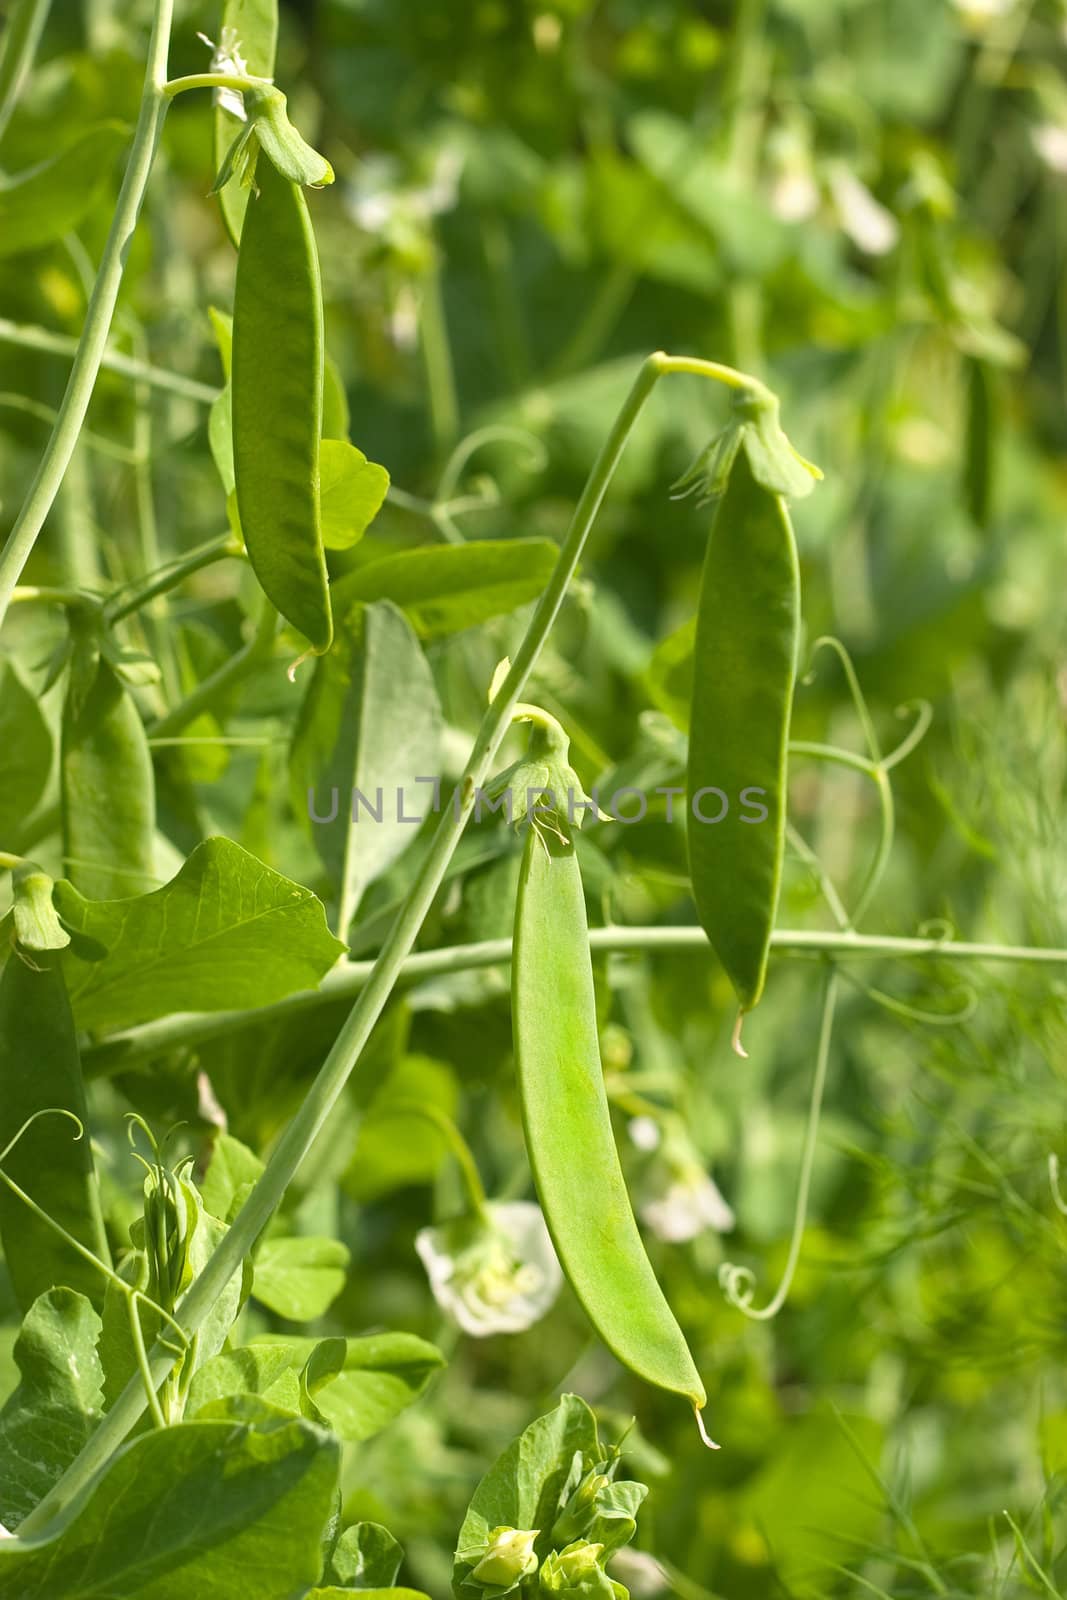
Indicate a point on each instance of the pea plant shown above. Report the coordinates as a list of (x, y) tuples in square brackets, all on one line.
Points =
[(394, 904)]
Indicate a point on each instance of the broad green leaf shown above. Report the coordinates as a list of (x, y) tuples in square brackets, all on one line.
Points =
[(366, 1556), (381, 1375), (351, 492), (226, 932), (270, 1370), (233, 1166), (211, 1509), (52, 198), (57, 1403), (371, 722), (25, 754), (443, 588), (300, 1278), (392, 1152), (669, 674), (524, 1488), (254, 25), (40, 1069)]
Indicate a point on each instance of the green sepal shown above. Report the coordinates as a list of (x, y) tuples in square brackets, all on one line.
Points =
[(268, 129), (37, 926)]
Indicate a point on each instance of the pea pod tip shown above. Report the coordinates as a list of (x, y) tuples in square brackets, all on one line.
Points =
[(702, 1430), (735, 1039)]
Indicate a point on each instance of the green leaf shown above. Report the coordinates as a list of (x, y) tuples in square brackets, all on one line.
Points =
[(25, 754), (381, 1375), (366, 1556), (40, 1069), (51, 199), (254, 24), (226, 932), (371, 722), (669, 675), (524, 1487), (270, 1370), (335, 417), (396, 1151), (232, 1168), (57, 1404), (351, 492), (300, 1278), (443, 588), (190, 1510)]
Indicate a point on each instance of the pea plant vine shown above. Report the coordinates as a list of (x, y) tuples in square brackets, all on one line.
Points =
[(137, 1385)]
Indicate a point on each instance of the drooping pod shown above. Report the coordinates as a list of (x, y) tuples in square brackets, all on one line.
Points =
[(744, 673), (565, 1111), (107, 786), (277, 402)]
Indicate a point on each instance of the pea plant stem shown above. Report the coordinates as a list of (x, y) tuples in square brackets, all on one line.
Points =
[(217, 685), (121, 1052), (25, 25), (93, 341), (308, 1122), (174, 574), (28, 336)]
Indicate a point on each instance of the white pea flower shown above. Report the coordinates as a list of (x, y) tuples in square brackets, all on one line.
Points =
[(5, 1533), (1050, 142), (226, 58), (493, 1274), (645, 1133), (641, 1573), (691, 1203), (794, 191), (872, 228)]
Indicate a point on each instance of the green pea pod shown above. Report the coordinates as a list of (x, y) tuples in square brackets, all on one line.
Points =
[(277, 403), (568, 1125), (107, 789), (744, 670), (40, 1070)]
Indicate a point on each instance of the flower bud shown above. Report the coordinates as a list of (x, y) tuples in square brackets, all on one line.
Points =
[(508, 1557), (576, 1571)]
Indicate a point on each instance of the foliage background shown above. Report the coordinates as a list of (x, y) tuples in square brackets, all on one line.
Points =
[(529, 198)]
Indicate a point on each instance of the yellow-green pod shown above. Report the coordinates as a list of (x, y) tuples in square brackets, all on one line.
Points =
[(569, 1138)]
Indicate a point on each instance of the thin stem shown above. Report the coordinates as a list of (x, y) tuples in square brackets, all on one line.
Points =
[(461, 1150), (214, 80), (91, 345), (308, 1122), (137, 1335), (730, 376), (29, 337), (737, 1282), (174, 574), (129, 1049), (437, 360), (207, 694), (21, 38), (31, 594)]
